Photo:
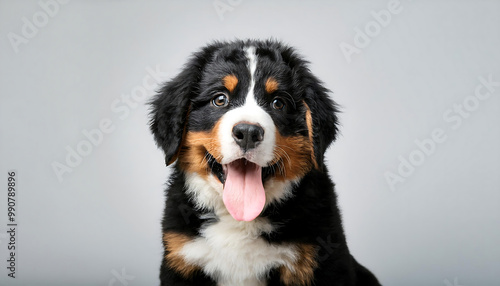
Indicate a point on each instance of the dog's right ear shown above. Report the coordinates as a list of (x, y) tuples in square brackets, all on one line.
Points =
[(169, 108)]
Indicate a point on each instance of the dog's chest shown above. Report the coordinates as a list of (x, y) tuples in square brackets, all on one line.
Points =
[(233, 253)]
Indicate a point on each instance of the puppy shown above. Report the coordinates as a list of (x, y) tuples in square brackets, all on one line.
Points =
[(249, 201)]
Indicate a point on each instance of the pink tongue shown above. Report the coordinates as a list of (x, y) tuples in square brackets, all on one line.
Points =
[(244, 194)]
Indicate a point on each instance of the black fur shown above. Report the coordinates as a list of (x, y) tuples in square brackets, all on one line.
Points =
[(311, 215)]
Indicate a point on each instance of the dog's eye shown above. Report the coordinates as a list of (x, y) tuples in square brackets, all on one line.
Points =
[(278, 104), (220, 100)]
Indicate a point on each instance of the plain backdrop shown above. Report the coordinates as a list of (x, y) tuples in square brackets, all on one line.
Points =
[(415, 212)]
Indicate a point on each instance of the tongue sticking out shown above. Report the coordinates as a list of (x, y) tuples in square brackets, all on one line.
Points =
[(244, 194)]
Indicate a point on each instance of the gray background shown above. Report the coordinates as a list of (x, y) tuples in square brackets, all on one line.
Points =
[(440, 226)]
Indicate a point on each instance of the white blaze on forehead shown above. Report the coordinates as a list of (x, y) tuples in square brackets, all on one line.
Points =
[(252, 66), (251, 113)]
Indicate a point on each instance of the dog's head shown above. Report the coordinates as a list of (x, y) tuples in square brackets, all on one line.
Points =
[(245, 112)]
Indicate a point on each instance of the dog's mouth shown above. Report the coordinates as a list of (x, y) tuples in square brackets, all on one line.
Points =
[(243, 192)]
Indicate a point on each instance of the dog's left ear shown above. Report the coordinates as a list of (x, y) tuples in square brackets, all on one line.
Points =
[(170, 107), (315, 95), (323, 113)]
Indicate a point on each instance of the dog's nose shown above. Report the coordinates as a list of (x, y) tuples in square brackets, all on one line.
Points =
[(248, 136)]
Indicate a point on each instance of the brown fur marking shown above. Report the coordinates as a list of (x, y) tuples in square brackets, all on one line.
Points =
[(271, 85), (192, 157), (311, 134), (230, 82), (302, 272), (173, 243), (293, 155)]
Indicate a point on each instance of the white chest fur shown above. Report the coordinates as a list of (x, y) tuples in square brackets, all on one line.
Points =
[(233, 254), (230, 251)]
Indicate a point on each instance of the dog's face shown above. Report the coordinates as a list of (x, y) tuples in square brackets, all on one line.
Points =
[(245, 113)]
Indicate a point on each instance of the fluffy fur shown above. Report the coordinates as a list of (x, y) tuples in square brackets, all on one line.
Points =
[(297, 239)]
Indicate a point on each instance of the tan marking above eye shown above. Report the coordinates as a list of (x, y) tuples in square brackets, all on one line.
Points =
[(271, 85), (230, 82)]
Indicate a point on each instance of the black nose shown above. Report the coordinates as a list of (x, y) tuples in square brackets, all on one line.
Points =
[(248, 136)]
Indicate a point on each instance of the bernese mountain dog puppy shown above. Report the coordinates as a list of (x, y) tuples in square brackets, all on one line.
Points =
[(249, 201)]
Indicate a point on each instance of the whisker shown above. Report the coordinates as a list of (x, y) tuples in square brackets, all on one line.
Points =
[(279, 145), (286, 155), (281, 163), (203, 160), (283, 168)]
